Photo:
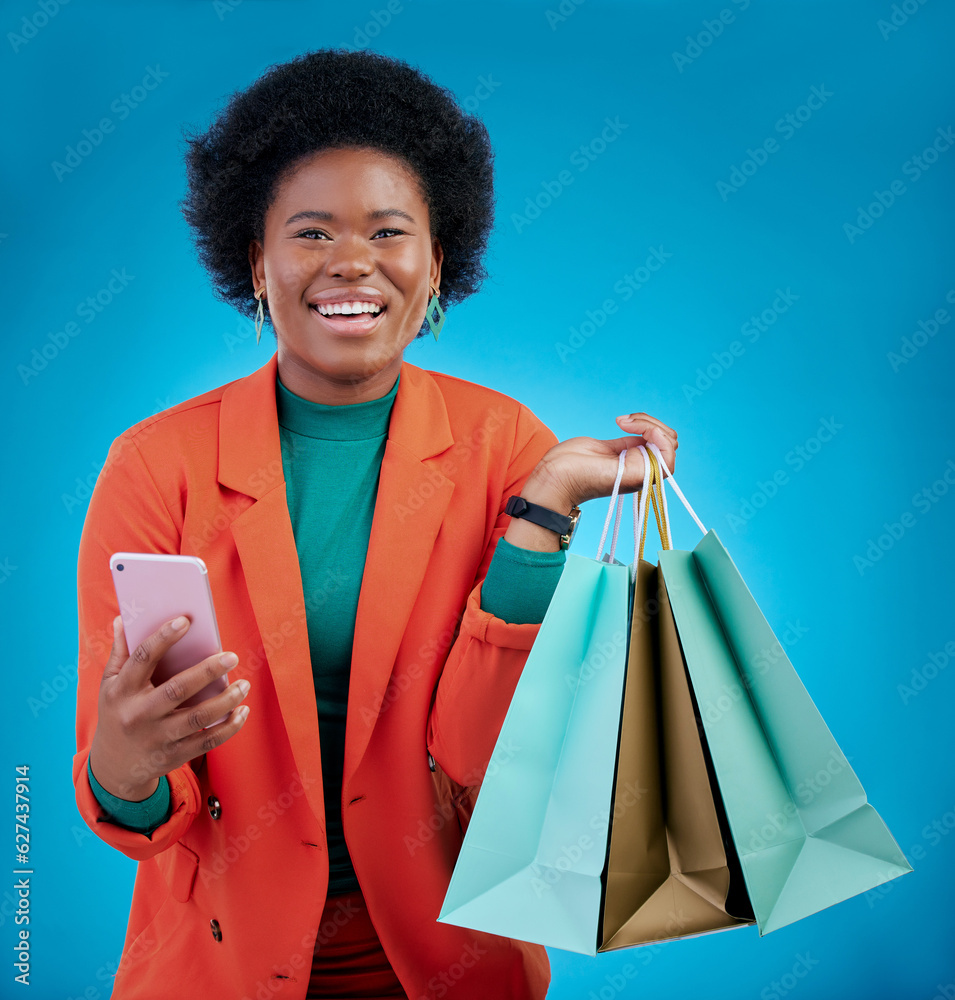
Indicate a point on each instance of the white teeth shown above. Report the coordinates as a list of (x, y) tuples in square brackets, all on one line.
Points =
[(349, 308)]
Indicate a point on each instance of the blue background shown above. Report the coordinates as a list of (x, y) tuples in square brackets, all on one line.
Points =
[(545, 86)]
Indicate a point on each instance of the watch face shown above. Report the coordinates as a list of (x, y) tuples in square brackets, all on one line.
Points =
[(565, 540)]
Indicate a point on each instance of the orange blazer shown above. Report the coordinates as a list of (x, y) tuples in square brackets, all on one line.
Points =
[(230, 890)]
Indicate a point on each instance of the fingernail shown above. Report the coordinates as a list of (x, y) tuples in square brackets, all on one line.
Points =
[(228, 659), (244, 687), (178, 624), (242, 713)]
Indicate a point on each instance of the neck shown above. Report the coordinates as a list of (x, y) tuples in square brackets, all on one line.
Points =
[(335, 390)]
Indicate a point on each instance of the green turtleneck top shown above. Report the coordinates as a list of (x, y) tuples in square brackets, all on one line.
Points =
[(331, 458)]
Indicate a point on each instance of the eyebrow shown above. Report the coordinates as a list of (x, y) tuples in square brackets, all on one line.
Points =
[(321, 216)]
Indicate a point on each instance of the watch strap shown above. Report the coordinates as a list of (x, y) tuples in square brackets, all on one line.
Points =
[(536, 514)]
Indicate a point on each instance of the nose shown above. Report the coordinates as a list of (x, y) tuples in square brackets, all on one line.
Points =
[(350, 258)]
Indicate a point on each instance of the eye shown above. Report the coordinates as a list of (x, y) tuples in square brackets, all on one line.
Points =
[(388, 232), (309, 233)]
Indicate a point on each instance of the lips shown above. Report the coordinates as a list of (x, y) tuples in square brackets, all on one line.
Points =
[(349, 293)]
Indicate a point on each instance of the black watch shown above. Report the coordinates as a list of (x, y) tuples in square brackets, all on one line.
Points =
[(565, 525)]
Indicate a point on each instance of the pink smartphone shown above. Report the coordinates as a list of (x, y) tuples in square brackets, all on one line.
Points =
[(152, 589)]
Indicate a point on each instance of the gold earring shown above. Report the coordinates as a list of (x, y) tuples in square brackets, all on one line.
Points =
[(260, 315)]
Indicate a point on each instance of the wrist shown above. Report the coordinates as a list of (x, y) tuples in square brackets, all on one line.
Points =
[(541, 518), (541, 488), (129, 791), (525, 535)]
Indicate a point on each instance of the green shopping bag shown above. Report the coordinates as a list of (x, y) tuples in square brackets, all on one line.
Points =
[(806, 836), (531, 861)]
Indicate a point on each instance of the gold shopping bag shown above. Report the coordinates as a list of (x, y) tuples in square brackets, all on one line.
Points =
[(672, 870)]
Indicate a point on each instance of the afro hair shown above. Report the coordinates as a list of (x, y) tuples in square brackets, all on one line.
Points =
[(327, 99)]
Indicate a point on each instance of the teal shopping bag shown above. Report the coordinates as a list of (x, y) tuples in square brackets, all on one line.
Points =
[(532, 856), (806, 836)]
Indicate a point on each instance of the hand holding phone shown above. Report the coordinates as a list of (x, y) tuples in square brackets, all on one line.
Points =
[(145, 729), (152, 589)]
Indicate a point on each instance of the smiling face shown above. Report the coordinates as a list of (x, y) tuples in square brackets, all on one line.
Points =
[(346, 260)]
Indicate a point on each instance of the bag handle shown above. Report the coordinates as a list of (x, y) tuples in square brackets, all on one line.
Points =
[(614, 507), (657, 460), (659, 500), (650, 494), (653, 491), (641, 509)]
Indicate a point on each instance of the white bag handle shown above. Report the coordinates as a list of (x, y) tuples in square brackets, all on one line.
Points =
[(669, 479), (639, 507), (640, 499), (614, 506)]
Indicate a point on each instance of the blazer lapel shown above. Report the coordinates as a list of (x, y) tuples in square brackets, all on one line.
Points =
[(413, 496), (250, 462)]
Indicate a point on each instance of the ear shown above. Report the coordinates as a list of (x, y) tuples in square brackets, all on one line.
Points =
[(257, 262), (437, 257)]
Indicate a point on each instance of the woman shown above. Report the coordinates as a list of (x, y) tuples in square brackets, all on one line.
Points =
[(375, 600)]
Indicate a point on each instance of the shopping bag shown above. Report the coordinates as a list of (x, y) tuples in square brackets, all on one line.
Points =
[(806, 836), (531, 861), (672, 871)]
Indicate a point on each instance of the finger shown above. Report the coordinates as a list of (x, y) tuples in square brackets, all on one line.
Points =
[(633, 467), (181, 686), (169, 753), (119, 654), (191, 719), (136, 672), (653, 432), (665, 444), (656, 432), (646, 418), (637, 422), (634, 471), (208, 739)]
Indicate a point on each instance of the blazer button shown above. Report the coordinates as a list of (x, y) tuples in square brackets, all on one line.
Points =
[(215, 810), (216, 929)]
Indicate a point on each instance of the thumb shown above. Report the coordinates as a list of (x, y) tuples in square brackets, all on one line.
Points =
[(633, 471), (119, 654)]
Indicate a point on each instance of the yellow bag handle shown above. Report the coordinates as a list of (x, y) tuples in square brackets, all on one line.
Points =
[(653, 481), (647, 482), (656, 496)]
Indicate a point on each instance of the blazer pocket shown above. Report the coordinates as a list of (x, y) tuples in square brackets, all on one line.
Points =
[(179, 866), (452, 799)]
